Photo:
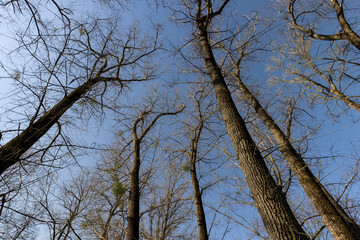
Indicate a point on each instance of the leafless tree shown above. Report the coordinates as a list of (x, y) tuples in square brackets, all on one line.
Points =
[(335, 218), (345, 29), (64, 61), (168, 210), (133, 223), (200, 213), (325, 65), (84, 61), (269, 199)]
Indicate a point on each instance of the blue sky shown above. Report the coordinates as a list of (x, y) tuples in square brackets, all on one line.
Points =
[(337, 136)]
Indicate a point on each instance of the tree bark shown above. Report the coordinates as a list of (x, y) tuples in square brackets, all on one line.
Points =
[(335, 218), (270, 201), (200, 213), (12, 151), (133, 221), (347, 32)]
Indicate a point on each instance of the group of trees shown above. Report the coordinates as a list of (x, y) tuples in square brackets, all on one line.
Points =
[(199, 148)]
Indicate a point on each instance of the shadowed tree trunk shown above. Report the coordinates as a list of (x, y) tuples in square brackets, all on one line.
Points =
[(101, 71), (132, 230), (12, 151), (133, 220)]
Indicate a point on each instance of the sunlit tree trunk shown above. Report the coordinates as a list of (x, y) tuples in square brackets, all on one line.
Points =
[(335, 218), (270, 201)]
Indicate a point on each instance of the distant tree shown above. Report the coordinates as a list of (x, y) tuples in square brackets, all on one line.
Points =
[(192, 154), (133, 222), (167, 213), (98, 203)]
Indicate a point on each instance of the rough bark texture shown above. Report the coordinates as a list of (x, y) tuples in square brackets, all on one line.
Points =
[(336, 220), (270, 201), (200, 213), (12, 151)]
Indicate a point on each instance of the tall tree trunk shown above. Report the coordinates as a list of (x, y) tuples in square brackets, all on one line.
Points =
[(335, 218), (12, 151), (200, 213), (133, 221), (270, 201)]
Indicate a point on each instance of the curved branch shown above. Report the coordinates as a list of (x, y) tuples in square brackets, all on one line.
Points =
[(346, 33)]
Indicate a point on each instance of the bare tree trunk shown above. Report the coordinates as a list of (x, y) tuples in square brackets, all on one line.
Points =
[(106, 229), (335, 218), (200, 213), (12, 151), (270, 201), (133, 221)]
